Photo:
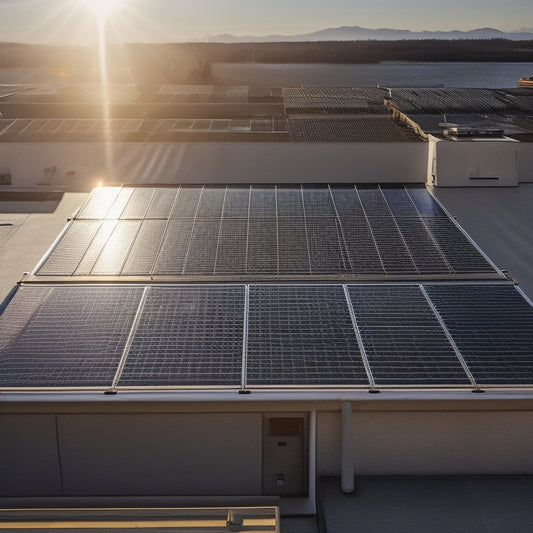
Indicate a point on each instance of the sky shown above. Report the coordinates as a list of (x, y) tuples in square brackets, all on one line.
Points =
[(73, 22)]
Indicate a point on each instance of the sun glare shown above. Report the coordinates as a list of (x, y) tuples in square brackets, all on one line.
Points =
[(102, 8)]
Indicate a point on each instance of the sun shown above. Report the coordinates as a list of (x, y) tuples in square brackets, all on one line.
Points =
[(101, 8)]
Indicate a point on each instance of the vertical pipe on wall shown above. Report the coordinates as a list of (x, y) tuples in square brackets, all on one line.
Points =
[(347, 458)]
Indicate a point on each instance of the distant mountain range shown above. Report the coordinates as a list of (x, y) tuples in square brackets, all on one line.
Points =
[(356, 33)]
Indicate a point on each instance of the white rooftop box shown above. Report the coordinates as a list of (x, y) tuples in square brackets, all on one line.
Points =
[(473, 162)]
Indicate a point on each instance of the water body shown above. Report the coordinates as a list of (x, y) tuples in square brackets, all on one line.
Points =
[(490, 75)]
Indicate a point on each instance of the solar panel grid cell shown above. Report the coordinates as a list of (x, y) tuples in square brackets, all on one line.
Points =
[(492, 327), (188, 336), (144, 250), (302, 335), (75, 337), (459, 252), (403, 340), (67, 255)]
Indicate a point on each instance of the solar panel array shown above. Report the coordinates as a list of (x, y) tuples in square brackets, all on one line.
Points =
[(348, 130), (267, 335), (144, 130), (334, 99), (272, 231)]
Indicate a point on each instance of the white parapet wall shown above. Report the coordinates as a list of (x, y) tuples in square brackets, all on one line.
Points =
[(83, 165), (475, 162)]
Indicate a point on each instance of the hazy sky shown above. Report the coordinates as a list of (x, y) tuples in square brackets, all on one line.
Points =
[(71, 22)]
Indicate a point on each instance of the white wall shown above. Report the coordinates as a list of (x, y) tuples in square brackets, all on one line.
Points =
[(213, 162), (525, 163), (170, 454), (430, 443), (466, 163)]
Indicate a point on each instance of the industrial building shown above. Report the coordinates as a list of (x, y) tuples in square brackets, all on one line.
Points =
[(276, 294)]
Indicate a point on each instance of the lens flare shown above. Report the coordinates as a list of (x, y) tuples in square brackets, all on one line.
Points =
[(101, 8)]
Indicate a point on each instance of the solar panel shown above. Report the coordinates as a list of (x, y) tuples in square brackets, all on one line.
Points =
[(138, 204), (231, 250), (99, 202), (262, 250), (162, 202), (263, 201), (493, 329), (425, 203), (301, 335), (186, 203), (201, 255), (173, 252), (92, 253), (373, 201), (326, 245), (318, 201), (289, 201), (292, 245), (403, 339), (69, 251), (116, 250), (237, 200), (143, 253), (363, 256), (399, 202), (120, 203), (392, 249), (211, 202), (188, 336), (73, 336), (346, 201), (459, 252), (287, 230), (422, 248)]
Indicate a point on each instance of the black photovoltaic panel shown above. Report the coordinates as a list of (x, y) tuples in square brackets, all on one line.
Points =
[(346, 201), (188, 336), (392, 249), (237, 200), (74, 336), (203, 247), (285, 230), (318, 201), (263, 201), (363, 256), (161, 204), (373, 201), (99, 202), (289, 201), (211, 202), (422, 247), (292, 246), (93, 251), (399, 202), (173, 252), (186, 203), (231, 249), (138, 204), (425, 203), (122, 199), (143, 253), (326, 245), (116, 250), (493, 329), (262, 249), (302, 335), (68, 253), (403, 339), (460, 254)]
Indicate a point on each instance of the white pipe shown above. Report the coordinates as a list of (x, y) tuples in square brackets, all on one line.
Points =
[(347, 456)]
